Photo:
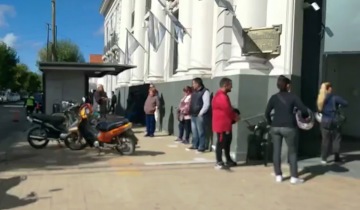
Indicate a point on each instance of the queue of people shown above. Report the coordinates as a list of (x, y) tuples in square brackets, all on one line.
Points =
[(287, 108)]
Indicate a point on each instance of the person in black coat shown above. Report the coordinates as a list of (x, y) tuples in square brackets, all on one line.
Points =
[(113, 102), (101, 98)]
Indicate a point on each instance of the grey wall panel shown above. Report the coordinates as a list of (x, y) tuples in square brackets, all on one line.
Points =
[(63, 85)]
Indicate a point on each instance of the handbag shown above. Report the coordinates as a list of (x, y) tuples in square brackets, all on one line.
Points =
[(338, 120)]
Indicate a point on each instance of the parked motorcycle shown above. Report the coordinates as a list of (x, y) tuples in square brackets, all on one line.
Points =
[(50, 127), (115, 135)]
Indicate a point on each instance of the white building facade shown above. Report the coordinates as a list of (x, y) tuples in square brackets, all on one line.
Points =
[(211, 51)]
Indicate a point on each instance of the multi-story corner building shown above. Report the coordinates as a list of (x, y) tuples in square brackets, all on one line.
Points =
[(285, 38)]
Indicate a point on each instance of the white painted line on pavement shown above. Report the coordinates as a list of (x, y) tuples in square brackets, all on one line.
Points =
[(200, 159), (13, 106), (172, 145), (178, 162)]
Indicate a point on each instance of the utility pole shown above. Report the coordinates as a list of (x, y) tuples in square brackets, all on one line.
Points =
[(53, 31), (47, 41)]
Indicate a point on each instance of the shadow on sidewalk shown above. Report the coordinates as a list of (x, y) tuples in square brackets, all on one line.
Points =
[(24, 157), (10, 201), (311, 172)]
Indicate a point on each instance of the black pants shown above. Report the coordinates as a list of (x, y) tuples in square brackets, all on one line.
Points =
[(291, 138), (329, 136), (223, 142), (30, 109), (185, 127), (112, 108)]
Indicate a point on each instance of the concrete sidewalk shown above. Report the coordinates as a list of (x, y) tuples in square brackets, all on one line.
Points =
[(160, 176), (172, 187)]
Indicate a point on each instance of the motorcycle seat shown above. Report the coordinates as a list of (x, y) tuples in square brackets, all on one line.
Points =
[(108, 126), (56, 120)]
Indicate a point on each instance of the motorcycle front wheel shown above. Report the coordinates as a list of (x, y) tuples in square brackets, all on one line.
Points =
[(74, 141), (126, 144), (37, 135)]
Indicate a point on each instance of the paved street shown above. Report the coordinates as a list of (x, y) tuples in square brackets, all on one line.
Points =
[(162, 175), (7, 126)]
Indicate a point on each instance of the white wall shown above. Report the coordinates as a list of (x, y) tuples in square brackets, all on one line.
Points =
[(343, 72), (63, 86)]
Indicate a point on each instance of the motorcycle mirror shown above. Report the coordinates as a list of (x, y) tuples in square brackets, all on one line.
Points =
[(83, 99)]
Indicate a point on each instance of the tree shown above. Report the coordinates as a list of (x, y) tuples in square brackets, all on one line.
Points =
[(8, 61), (21, 78), (35, 82), (66, 51)]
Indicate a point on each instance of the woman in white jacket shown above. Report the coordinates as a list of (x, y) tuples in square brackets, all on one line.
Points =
[(184, 117)]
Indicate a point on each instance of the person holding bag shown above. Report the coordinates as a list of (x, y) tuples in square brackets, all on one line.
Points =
[(331, 121), (151, 105), (284, 126), (184, 117)]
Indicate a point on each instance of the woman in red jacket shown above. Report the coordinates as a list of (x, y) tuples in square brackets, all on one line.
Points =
[(223, 116)]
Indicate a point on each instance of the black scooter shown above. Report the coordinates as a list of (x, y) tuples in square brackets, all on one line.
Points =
[(50, 127)]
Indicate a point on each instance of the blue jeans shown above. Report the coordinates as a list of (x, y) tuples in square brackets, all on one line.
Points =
[(198, 132), (150, 124)]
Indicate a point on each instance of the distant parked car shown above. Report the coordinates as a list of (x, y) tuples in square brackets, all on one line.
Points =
[(24, 96), (3, 97)]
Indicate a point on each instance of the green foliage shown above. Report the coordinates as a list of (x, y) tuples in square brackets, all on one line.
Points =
[(16, 76), (8, 61), (35, 83), (66, 51)]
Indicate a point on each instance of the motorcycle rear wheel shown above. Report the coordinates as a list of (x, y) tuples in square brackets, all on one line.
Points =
[(32, 140), (74, 142), (126, 144)]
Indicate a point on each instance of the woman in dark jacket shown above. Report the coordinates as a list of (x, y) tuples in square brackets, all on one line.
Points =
[(284, 126), (101, 98), (327, 105)]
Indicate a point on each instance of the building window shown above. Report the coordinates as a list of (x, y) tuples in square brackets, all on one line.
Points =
[(176, 49), (132, 19)]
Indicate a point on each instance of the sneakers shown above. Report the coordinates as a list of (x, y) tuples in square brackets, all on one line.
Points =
[(220, 166), (278, 178), (231, 163), (200, 151), (294, 180), (146, 135), (323, 162), (191, 148), (185, 142), (178, 140)]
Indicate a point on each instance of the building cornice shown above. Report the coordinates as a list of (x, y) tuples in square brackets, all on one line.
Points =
[(104, 5)]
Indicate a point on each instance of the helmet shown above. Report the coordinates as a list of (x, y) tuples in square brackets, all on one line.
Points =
[(318, 117), (305, 124)]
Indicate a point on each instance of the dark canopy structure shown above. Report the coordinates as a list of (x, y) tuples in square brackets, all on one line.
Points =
[(89, 69), (70, 81)]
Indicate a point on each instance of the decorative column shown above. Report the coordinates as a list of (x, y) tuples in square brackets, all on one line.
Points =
[(169, 43), (202, 34), (156, 71), (184, 48), (139, 33), (250, 13), (123, 78)]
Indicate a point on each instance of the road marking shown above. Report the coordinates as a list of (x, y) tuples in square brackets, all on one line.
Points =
[(179, 162), (125, 161), (172, 145), (13, 106)]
